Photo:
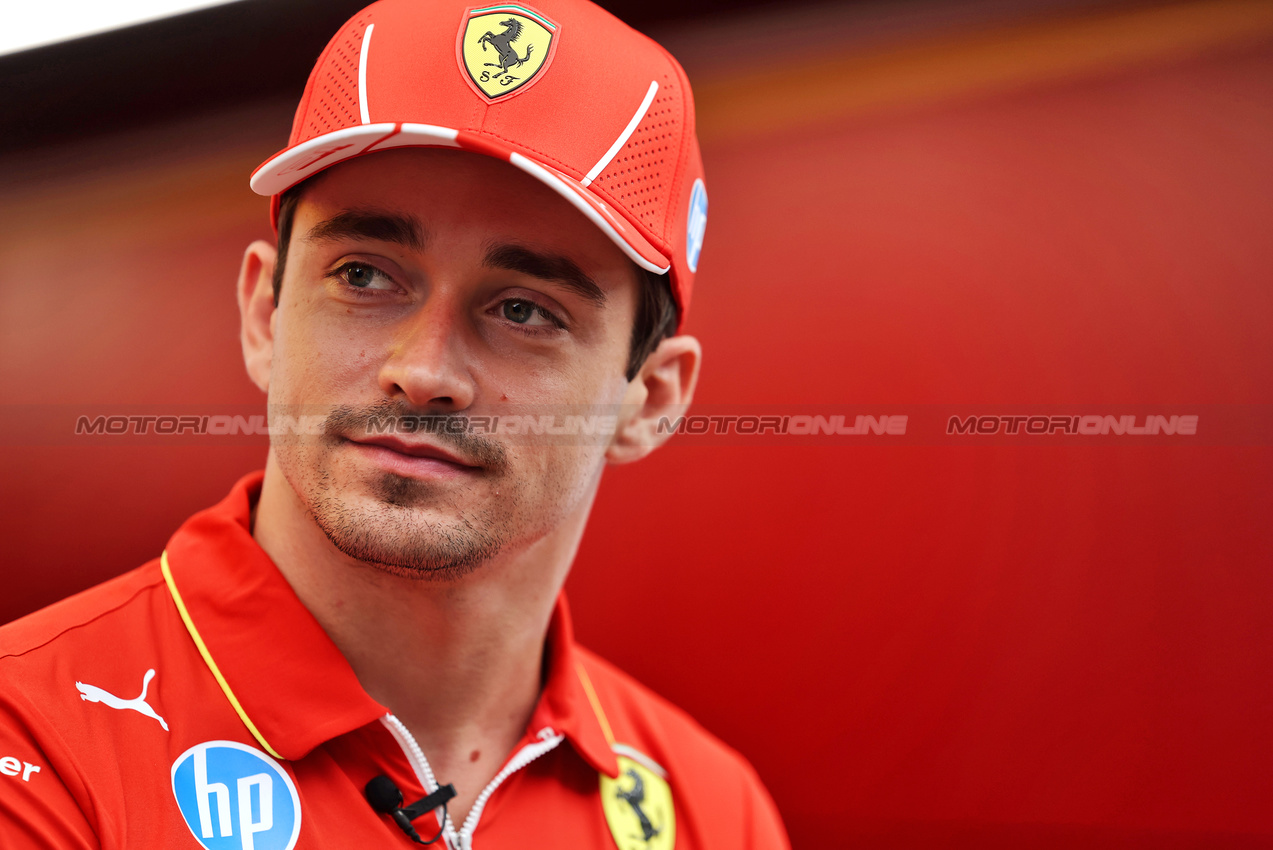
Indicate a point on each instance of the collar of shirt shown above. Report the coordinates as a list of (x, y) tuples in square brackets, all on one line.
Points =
[(240, 611)]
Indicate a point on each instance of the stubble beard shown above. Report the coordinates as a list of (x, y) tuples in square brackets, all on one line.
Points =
[(392, 534), (408, 527)]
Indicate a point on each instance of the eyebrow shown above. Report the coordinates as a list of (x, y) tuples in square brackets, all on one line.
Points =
[(547, 267), (400, 229)]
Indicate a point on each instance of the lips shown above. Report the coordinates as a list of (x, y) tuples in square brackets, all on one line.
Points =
[(425, 451)]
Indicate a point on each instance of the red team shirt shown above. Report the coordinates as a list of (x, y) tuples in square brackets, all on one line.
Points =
[(195, 701)]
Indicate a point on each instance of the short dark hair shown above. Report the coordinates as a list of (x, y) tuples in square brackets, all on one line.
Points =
[(656, 311)]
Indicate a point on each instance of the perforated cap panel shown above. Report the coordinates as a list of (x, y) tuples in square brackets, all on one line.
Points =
[(638, 176), (334, 102)]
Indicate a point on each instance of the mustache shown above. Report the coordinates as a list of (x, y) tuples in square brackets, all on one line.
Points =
[(451, 430)]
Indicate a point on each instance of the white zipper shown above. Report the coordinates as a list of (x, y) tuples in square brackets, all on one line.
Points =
[(527, 754), (463, 840), (419, 764)]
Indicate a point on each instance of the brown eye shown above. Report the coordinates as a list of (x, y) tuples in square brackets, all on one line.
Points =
[(364, 277), (519, 311), (359, 276)]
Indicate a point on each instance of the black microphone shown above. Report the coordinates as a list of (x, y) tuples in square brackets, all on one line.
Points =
[(385, 798)]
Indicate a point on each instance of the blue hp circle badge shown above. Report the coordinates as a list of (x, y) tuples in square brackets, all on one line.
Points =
[(234, 797), (696, 225)]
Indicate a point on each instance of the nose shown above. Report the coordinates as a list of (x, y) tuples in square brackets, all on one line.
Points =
[(428, 364)]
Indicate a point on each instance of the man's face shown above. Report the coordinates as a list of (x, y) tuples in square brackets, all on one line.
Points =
[(430, 282)]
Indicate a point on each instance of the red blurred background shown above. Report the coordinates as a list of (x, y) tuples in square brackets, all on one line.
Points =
[(992, 205)]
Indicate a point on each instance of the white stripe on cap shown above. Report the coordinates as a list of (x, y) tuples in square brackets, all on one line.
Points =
[(362, 75), (624, 136)]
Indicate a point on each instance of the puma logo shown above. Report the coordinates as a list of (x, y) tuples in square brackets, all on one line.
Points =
[(92, 693)]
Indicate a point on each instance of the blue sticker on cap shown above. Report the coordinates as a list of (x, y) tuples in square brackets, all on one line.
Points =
[(235, 797), (696, 225)]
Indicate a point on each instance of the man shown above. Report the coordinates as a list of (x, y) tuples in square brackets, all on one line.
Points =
[(483, 213)]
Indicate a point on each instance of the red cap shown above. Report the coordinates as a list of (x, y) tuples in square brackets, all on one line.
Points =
[(562, 90)]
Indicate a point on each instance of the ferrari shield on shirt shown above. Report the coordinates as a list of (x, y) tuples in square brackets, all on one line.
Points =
[(196, 702)]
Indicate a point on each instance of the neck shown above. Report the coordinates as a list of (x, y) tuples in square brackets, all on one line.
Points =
[(459, 662)]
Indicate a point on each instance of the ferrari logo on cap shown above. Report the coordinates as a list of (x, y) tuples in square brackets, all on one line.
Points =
[(638, 806), (505, 48)]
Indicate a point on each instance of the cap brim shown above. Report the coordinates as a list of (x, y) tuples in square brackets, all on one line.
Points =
[(289, 167)]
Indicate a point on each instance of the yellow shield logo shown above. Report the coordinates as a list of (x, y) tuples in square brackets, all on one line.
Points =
[(505, 48), (638, 806)]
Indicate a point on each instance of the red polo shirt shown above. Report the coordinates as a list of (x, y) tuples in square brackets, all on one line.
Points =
[(252, 731)]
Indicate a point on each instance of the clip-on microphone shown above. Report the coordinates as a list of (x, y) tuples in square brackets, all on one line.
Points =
[(385, 798)]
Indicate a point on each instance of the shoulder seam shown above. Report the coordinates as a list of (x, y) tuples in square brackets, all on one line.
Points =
[(148, 586)]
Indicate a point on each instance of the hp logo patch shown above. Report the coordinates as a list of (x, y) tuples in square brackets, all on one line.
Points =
[(234, 797), (697, 225)]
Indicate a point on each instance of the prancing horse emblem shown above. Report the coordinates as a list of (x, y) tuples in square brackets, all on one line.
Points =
[(503, 43), (505, 48), (637, 802), (92, 693), (634, 797)]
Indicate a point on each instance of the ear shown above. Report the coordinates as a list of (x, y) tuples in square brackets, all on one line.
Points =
[(256, 311), (663, 389)]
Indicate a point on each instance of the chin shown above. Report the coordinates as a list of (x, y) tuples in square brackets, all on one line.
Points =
[(410, 542)]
